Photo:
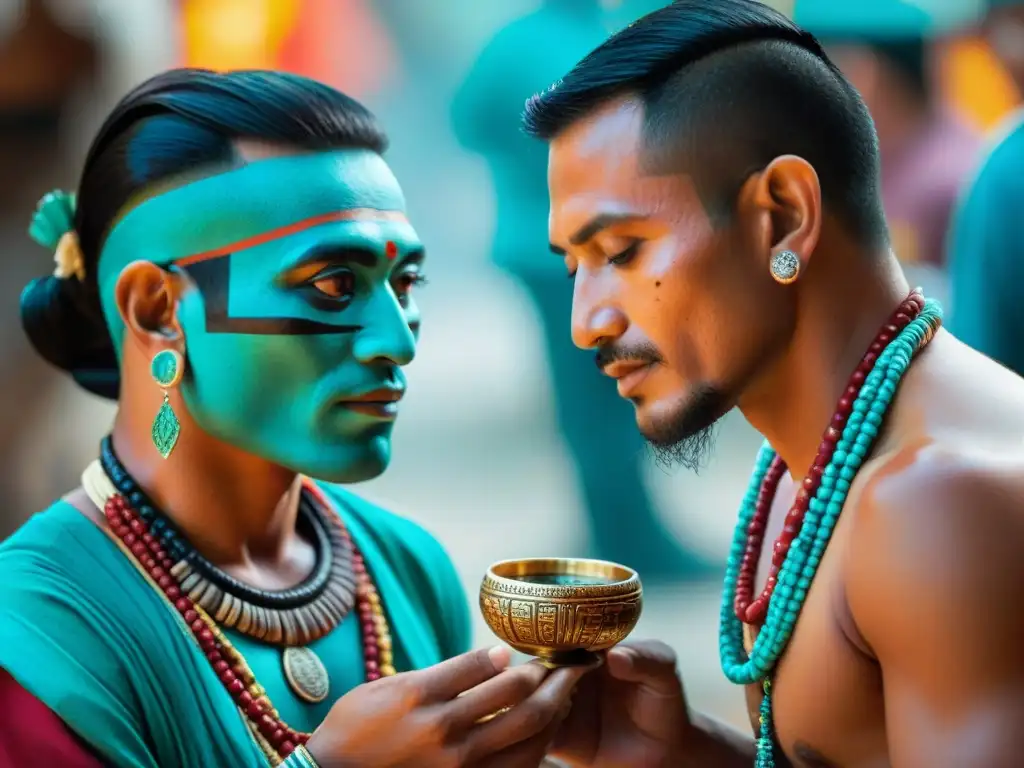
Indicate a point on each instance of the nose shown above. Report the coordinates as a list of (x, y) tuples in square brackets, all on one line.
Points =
[(386, 335), (595, 318)]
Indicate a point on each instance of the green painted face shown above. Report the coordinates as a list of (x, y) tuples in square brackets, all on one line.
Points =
[(301, 315)]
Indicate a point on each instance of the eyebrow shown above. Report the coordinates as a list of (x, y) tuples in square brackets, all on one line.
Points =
[(596, 225), (414, 255), (362, 255), (336, 254)]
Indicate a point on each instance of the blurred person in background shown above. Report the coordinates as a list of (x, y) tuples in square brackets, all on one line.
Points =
[(237, 271), (986, 244), (42, 67), (522, 58), (927, 150)]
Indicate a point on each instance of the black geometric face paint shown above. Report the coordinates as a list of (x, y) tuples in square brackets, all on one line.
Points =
[(211, 271), (213, 278)]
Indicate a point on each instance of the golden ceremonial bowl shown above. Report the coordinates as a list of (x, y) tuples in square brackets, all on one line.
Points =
[(561, 610)]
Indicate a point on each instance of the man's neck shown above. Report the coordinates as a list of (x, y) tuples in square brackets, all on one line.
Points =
[(233, 507), (839, 316)]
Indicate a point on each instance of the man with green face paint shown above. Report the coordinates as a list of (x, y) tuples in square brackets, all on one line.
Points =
[(283, 283), (238, 272)]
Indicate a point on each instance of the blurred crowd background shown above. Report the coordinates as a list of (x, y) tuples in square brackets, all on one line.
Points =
[(511, 444)]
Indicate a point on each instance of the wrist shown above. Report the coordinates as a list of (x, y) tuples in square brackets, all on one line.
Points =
[(300, 757), (311, 754)]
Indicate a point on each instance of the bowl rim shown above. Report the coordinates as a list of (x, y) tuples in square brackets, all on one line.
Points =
[(493, 582)]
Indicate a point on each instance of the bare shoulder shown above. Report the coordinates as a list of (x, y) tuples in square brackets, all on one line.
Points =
[(932, 489), (938, 515), (933, 568)]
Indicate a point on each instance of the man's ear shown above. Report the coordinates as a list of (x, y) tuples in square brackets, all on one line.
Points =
[(147, 300), (783, 204)]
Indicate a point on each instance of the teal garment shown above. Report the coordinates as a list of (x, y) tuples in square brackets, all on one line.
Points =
[(986, 255), (83, 631), (524, 57), (881, 20)]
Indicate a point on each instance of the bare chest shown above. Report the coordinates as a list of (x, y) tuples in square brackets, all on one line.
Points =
[(827, 701)]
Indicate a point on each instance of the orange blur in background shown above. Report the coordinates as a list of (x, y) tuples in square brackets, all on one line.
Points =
[(309, 37)]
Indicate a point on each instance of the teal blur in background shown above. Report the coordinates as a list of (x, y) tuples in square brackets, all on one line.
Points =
[(525, 57)]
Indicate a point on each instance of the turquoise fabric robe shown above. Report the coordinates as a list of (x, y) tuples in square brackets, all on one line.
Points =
[(82, 631)]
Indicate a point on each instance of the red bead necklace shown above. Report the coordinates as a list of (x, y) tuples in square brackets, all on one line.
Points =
[(270, 731), (753, 611)]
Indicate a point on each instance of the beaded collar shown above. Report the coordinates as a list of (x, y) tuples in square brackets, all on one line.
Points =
[(796, 555), (150, 551), (291, 617)]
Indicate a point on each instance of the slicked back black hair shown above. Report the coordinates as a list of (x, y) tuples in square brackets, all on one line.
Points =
[(727, 86), (178, 122)]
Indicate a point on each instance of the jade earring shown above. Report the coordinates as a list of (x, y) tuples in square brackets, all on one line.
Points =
[(166, 369)]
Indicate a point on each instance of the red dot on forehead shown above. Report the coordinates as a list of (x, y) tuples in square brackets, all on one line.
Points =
[(390, 249)]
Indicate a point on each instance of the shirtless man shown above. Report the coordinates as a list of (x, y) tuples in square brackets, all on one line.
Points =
[(714, 191)]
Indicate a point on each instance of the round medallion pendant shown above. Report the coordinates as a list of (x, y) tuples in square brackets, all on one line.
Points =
[(306, 674)]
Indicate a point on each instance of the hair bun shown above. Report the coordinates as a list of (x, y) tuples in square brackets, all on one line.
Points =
[(54, 218), (66, 327)]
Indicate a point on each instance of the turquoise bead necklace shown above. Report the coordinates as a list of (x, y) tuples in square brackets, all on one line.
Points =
[(801, 562)]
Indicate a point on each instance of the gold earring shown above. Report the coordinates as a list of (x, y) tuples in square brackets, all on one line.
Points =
[(785, 267), (166, 369)]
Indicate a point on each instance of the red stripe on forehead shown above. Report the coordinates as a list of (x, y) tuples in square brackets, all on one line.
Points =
[(352, 214)]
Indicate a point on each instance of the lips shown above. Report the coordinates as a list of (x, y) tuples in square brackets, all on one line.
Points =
[(628, 373), (382, 395), (378, 403)]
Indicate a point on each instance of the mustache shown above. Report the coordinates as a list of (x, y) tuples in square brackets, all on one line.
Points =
[(613, 353)]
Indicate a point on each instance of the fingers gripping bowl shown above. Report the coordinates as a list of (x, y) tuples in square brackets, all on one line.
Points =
[(564, 611)]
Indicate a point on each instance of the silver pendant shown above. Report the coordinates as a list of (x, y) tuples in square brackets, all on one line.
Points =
[(306, 674)]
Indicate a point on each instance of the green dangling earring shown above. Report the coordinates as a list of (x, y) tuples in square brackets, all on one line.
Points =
[(166, 369)]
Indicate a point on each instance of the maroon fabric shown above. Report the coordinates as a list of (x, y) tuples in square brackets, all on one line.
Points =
[(32, 735)]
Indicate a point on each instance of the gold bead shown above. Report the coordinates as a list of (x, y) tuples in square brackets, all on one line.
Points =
[(387, 670), (385, 656), (384, 643)]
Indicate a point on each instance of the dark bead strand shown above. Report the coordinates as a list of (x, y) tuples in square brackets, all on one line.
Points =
[(309, 523)]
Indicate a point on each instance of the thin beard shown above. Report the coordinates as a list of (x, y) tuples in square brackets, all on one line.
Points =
[(692, 452)]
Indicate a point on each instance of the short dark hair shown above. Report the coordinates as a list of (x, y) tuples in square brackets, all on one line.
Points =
[(729, 85), (178, 122)]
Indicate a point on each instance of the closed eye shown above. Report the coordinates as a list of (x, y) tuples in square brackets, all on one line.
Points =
[(626, 255), (622, 258)]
